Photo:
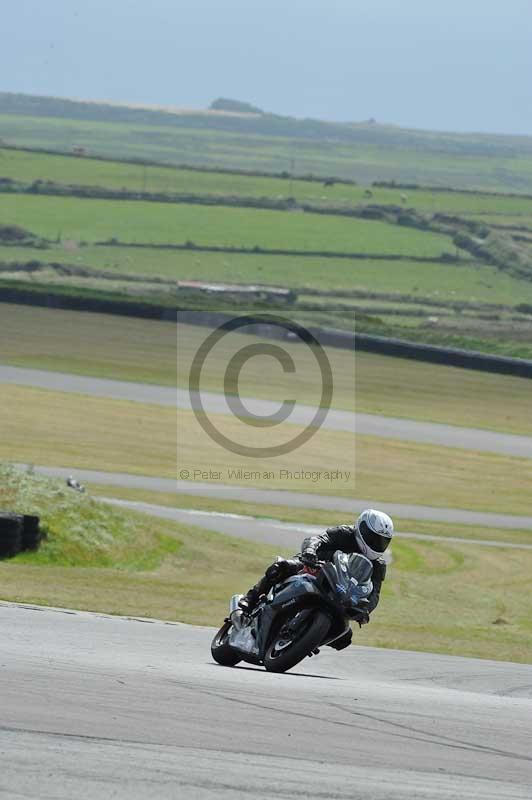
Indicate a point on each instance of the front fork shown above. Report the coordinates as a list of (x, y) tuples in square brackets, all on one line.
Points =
[(235, 612)]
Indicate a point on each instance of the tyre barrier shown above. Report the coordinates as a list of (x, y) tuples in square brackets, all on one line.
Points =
[(18, 532), (435, 354), (31, 533), (449, 356), (11, 526)]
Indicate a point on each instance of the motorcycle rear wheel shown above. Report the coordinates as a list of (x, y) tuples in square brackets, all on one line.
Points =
[(222, 652), (281, 658)]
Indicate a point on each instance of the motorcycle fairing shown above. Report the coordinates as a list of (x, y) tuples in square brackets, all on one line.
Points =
[(296, 586), (303, 592), (298, 591)]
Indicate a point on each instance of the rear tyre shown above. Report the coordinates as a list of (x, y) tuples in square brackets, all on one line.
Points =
[(221, 651), (284, 653)]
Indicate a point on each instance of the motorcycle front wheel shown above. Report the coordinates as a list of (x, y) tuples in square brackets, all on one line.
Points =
[(288, 648), (221, 651)]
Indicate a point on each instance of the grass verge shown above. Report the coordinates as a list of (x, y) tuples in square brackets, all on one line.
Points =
[(85, 343), (56, 429), (100, 558), (79, 530), (457, 600), (109, 346)]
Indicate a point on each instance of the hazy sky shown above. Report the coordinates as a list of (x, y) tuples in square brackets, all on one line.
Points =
[(451, 65)]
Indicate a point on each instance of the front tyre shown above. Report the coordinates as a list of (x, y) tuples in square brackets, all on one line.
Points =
[(221, 651), (288, 648)]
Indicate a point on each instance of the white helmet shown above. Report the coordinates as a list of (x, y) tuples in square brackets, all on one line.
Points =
[(373, 532)]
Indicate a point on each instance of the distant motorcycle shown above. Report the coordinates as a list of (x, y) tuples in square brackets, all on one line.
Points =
[(299, 615)]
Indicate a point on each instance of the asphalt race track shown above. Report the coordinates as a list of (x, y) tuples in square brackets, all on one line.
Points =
[(367, 424), (344, 505), (273, 531), (99, 707)]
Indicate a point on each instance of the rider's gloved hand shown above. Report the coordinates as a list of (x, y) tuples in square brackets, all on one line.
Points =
[(360, 615), (309, 559)]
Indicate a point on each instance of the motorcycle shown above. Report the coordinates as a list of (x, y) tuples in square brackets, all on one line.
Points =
[(300, 614)]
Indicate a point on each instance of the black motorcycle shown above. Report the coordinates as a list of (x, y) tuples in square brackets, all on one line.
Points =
[(299, 615)]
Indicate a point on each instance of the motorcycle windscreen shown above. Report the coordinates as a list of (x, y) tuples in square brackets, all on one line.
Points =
[(354, 568), (352, 576), (359, 567), (360, 570), (341, 564)]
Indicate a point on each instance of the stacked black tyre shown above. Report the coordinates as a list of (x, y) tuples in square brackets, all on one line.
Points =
[(31, 533), (18, 532), (11, 527)]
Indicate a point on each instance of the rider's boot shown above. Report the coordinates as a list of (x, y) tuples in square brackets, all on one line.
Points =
[(281, 568)]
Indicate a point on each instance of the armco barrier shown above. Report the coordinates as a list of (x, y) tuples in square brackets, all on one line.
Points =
[(346, 340)]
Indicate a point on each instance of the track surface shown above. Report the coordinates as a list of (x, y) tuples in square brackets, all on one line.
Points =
[(95, 707), (368, 424), (291, 499), (274, 531)]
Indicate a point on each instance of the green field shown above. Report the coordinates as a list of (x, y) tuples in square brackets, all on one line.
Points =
[(522, 220), (130, 221), (498, 163), (415, 298), (31, 166), (103, 559), (469, 282)]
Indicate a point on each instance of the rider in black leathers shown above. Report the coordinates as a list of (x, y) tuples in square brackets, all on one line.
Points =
[(370, 536)]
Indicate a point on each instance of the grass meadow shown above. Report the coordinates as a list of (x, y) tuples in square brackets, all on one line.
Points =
[(440, 160), (32, 166), (80, 227), (520, 220), (163, 223), (470, 282)]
